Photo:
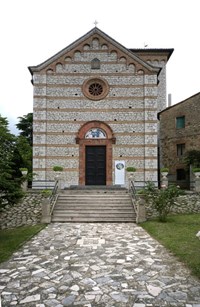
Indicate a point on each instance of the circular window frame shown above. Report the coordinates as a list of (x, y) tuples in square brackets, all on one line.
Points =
[(86, 88)]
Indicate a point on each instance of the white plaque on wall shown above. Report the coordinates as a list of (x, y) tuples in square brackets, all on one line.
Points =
[(119, 172)]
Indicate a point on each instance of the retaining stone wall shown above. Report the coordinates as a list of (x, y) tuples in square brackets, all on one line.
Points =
[(27, 212), (189, 203)]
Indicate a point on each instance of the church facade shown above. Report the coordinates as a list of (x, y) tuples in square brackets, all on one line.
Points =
[(95, 111)]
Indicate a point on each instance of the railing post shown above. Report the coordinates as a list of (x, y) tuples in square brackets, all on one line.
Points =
[(58, 178), (141, 210), (46, 211), (197, 184), (24, 184), (164, 180), (130, 181)]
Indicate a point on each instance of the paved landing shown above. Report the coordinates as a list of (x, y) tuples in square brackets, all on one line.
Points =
[(89, 265)]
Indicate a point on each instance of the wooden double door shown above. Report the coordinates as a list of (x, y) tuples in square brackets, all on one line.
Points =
[(95, 165)]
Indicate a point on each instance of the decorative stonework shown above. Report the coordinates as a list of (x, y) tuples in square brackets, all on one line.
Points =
[(95, 88), (96, 83)]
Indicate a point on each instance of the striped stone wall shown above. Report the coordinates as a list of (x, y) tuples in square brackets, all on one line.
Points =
[(61, 108)]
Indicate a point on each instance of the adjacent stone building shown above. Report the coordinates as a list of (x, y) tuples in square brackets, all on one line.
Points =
[(95, 111), (179, 132)]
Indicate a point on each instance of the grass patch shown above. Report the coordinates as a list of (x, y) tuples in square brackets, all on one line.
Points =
[(12, 239), (178, 235)]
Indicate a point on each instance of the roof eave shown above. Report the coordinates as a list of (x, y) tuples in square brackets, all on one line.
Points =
[(180, 102), (41, 66), (169, 51)]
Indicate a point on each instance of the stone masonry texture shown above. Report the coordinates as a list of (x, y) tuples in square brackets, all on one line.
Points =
[(28, 211), (171, 136), (134, 90)]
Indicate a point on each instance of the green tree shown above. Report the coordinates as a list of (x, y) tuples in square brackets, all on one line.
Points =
[(23, 153), (26, 126), (10, 184), (192, 157), (24, 142)]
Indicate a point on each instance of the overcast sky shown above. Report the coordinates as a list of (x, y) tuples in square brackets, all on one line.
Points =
[(33, 31)]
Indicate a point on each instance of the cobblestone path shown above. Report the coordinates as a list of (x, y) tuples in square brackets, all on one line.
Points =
[(103, 265)]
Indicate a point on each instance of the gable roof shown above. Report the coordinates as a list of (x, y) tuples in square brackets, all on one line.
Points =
[(147, 51), (187, 100), (94, 31)]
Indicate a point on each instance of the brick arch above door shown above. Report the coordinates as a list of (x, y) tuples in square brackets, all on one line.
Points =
[(83, 142), (95, 124)]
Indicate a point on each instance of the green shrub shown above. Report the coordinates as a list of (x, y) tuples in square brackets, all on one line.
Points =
[(58, 168), (196, 169), (23, 169), (46, 193), (162, 200), (164, 170), (131, 169), (192, 157)]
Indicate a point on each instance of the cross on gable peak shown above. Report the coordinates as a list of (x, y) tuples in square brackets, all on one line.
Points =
[(95, 23)]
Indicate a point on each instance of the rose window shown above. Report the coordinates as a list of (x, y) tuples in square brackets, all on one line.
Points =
[(95, 88)]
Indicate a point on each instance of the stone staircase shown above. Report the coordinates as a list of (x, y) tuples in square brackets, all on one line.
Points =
[(94, 205)]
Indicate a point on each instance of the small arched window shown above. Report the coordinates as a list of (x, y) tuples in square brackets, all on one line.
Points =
[(95, 64)]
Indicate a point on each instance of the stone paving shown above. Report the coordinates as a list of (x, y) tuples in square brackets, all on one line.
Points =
[(89, 265)]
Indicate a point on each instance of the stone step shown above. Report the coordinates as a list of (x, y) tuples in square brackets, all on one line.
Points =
[(94, 206), (102, 192), (96, 187), (93, 219), (94, 196), (89, 211), (94, 199), (94, 202)]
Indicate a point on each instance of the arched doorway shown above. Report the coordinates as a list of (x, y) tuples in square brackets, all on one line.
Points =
[(95, 139)]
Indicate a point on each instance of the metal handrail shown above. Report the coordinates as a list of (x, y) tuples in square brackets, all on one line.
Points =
[(54, 196), (132, 191)]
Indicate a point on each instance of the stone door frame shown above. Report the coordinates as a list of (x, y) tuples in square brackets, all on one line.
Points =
[(83, 142)]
